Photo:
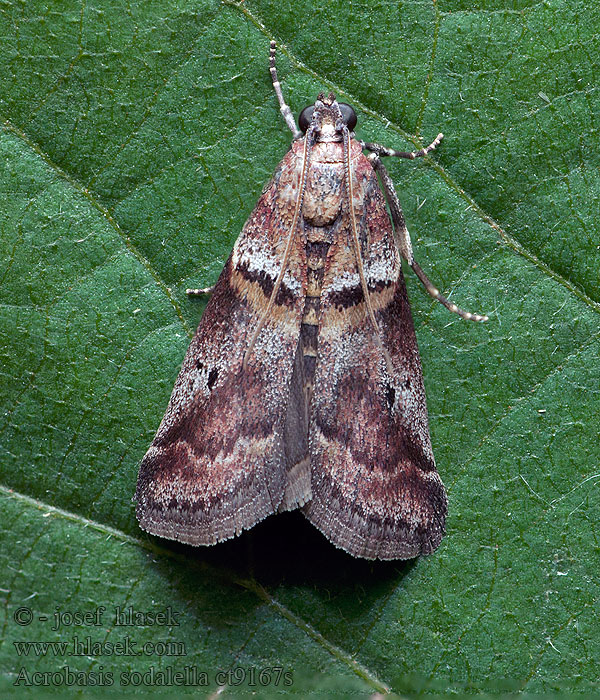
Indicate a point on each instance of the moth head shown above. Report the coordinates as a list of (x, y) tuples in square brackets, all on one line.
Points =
[(327, 118)]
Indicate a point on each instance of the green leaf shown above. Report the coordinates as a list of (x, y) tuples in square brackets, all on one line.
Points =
[(136, 139)]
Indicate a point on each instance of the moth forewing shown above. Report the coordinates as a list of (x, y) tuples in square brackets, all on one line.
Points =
[(375, 490), (217, 464)]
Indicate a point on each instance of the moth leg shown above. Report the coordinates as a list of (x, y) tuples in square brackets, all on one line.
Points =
[(199, 292), (283, 107), (411, 155), (402, 239)]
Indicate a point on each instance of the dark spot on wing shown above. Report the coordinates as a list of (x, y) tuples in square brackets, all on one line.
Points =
[(212, 378)]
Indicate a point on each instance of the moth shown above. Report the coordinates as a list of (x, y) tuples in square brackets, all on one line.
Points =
[(303, 387)]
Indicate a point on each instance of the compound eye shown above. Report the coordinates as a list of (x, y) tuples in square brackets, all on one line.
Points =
[(348, 115), (305, 118)]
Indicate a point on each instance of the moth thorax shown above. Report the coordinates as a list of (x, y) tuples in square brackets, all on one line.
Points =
[(324, 188)]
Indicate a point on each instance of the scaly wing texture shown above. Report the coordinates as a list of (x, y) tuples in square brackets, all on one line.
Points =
[(375, 489), (217, 464)]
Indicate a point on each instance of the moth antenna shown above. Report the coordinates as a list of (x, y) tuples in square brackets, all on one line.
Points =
[(359, 263), (434, 292), (288, 248), (283, 107), (403, 243)]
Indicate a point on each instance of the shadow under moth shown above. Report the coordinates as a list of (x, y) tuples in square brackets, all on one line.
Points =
[(303, 387)]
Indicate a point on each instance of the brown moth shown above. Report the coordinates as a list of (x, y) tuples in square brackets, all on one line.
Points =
[(303, 387)]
